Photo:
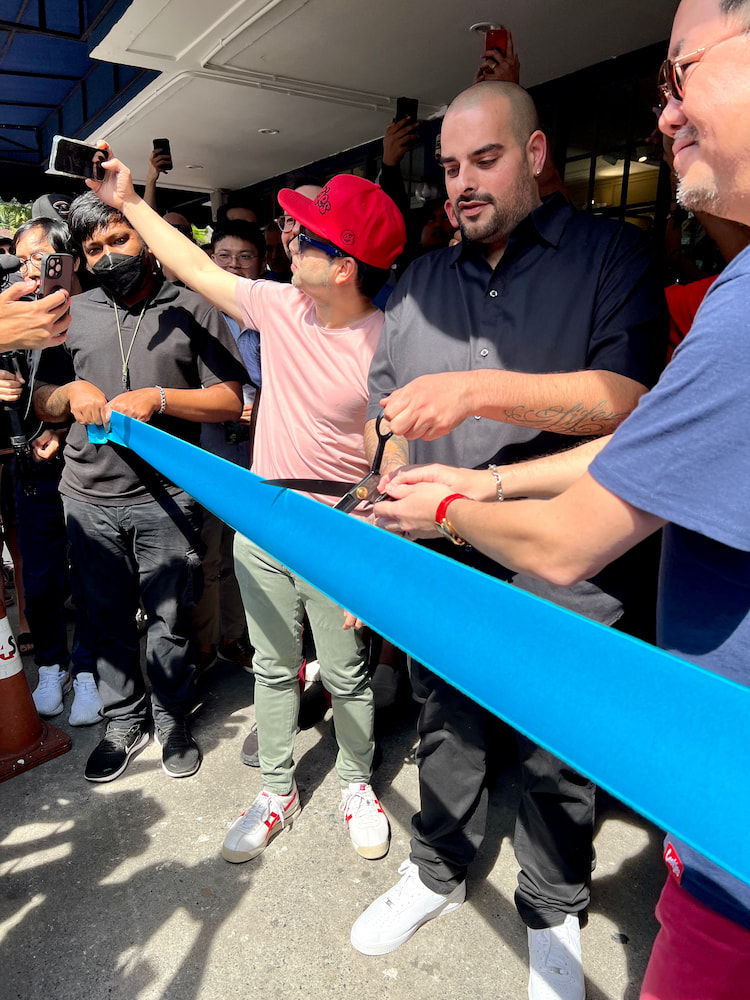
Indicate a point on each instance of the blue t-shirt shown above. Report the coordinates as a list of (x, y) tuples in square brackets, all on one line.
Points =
[(684, 455), (248, 343)]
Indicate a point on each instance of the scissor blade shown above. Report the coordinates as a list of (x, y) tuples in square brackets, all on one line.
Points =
[(324, 487)]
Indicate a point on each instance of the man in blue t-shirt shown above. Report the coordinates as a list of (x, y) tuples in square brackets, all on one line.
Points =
[(682, 461)]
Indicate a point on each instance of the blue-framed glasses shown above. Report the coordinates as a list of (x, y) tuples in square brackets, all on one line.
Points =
[(304, 241)]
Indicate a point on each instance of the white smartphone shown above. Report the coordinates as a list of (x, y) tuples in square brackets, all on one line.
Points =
[(72, 158)]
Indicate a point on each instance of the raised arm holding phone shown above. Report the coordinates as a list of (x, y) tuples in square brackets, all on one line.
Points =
[(189, 263)]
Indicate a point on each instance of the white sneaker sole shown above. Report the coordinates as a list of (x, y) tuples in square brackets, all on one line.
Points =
[(373, 853), (142, 742), (386, 947), (238, 857)]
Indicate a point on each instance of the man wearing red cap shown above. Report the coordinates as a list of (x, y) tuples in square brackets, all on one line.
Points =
[(318, 337)]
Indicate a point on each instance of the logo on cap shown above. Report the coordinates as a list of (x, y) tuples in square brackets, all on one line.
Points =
[(323, 201), (347, 237), (63, 207)]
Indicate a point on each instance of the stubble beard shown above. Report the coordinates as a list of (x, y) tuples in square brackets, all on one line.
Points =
[(505, 215)]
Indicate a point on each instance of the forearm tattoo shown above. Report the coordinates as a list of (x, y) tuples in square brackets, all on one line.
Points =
[(580, 419)]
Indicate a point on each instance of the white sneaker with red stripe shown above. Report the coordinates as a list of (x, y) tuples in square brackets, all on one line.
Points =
[(267, 816), (368, 825)]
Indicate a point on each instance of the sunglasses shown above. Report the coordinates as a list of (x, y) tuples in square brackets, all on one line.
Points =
[(285, 223), (304, 241), (673, 73)]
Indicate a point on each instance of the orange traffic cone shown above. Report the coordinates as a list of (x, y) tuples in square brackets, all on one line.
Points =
[(25, 739)]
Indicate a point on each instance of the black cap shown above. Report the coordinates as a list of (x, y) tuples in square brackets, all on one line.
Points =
[(52, 206)]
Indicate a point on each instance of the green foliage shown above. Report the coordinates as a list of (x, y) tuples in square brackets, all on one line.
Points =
[(13, 214)]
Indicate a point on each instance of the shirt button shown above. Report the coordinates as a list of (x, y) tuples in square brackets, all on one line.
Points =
[(493, 293), (484, 352)]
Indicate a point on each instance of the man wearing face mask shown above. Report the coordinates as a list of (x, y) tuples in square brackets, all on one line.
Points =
[(161, 354)]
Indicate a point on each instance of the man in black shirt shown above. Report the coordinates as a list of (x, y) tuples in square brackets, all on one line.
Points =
[(544, 326), (158, 353)]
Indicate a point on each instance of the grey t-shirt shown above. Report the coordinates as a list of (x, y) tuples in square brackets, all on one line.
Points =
[(182, 343)]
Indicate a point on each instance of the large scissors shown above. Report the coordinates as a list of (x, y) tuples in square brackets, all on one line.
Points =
[(351, 494), (366, 489)]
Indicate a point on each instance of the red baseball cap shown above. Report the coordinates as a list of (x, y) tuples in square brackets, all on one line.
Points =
[(355, 215)]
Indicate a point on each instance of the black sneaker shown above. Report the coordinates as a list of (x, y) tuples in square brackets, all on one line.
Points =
[(238, 651), (180, 754), (249, 753), (111, 756)]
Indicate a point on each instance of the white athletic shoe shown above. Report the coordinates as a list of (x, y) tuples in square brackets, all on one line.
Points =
[(87, 705), (555, 966), (251, 832), (369, 830), (54, 683), (392, 919)]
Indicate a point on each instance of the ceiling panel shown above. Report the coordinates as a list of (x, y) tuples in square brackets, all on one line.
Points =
[(226, 142), (326, 73)]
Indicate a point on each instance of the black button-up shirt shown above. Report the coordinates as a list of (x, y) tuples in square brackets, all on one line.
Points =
[(572, 292)]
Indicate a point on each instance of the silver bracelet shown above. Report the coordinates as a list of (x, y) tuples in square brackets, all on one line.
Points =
[(498, 482), (163, 395)]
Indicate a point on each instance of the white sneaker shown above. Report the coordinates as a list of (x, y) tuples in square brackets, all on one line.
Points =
[(267, 816), (368, 824), (398, 913), (555, 966), (54, 683), (87, 705)]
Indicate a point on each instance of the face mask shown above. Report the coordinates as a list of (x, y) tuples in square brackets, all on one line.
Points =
[(119, 273)]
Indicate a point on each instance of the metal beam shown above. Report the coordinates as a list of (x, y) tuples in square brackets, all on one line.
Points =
[(39, 76), (39, 32), (19, 145), (26, 104)]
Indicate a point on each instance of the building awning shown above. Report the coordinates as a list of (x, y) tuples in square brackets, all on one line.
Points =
[(48, 82)]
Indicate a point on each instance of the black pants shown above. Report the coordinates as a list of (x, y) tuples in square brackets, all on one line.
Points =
[(555, 822), (147, 552), (554, 827)]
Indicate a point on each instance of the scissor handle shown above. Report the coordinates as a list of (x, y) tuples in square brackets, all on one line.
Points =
[(382, 438)]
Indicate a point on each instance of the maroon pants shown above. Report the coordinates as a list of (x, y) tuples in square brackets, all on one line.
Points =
[(697, 954)]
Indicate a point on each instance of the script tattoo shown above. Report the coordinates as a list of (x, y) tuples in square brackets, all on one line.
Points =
[(586, 421)]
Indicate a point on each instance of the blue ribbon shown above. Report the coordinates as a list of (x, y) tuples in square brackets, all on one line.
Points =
[(663, 735)]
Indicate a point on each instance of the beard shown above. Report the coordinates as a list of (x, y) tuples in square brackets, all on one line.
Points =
[(698, 197), (701, 195), (505, 215)]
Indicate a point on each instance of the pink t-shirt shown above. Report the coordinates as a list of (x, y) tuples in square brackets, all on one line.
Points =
[(312, 411)]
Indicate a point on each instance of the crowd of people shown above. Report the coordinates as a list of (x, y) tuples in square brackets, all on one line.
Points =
[(524, 362)]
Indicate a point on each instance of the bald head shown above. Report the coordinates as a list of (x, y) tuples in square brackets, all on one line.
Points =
[(508, 98)]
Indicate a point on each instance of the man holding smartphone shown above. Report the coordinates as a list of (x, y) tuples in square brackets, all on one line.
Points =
[(317, 338)]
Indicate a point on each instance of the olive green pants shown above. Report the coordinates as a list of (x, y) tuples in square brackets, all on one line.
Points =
[(275, 600)]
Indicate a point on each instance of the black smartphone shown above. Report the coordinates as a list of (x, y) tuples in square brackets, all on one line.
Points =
[(163, 146), (407, 107), (72, 158), (56, 272)]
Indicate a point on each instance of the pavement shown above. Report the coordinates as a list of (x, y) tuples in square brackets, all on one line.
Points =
[(118, 891)]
